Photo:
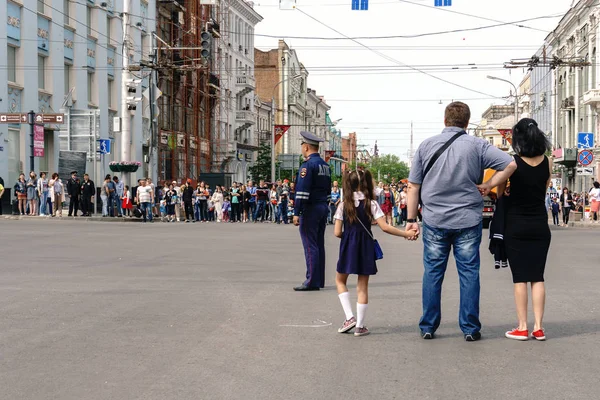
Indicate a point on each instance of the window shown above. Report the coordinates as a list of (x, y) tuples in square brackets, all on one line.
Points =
[(40, 6), (67, 78), (12, 64), (111, 84), (41, 72), (108, 30), (90, 87), (66, 12), (88, 20)]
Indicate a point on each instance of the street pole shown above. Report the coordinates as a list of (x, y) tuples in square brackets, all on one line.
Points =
[(125, 116), (516, 95), (31, 121)]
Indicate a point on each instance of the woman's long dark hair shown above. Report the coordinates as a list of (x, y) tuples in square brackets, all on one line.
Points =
[(357, 181), (528, 140)]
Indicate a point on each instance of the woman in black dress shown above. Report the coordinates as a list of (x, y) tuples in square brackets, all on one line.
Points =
[(527, 234)]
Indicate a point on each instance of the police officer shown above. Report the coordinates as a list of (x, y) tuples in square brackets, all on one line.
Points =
[(313, 189), (74, 192)]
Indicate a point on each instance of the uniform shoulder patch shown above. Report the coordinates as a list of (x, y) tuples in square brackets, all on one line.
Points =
[(303, 172)]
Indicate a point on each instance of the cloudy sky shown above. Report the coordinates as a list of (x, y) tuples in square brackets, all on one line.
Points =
[(378, 90)]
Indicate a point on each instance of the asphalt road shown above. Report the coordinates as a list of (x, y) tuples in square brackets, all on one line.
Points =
[(191, 311)]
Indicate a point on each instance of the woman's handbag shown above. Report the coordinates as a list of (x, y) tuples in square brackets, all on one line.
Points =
[(378, 250)]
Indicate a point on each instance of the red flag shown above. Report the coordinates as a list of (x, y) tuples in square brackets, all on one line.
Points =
[(280, 130), (329, 154), (507, 134)]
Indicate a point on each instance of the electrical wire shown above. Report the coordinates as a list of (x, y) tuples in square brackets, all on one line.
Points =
[(393, 59)]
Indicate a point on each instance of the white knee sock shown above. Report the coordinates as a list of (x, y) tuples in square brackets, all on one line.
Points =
[(345, 300), (361, 311)]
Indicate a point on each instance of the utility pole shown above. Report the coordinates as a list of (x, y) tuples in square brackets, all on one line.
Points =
[(125, 76)]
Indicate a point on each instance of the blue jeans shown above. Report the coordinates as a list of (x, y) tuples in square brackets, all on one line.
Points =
[(260, 210), (146, 208), (252, 210), (283, 211), (437, 245), (44, 204)]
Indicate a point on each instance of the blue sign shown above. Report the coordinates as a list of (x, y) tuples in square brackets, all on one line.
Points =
[(104, 146), (585, 157), (442, 3), (585, 140), (360, 5)]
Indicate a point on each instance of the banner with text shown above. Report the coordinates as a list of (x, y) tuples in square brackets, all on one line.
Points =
[(38, 140)]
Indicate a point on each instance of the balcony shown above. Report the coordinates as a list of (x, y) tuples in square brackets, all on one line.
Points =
[(245, 117), (592, 97), (245, 84)]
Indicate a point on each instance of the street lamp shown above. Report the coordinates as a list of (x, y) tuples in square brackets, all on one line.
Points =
[(516, 97), (273, 110)]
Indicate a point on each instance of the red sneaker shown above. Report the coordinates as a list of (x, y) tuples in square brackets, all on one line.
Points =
[(517, 334), (539, 335)]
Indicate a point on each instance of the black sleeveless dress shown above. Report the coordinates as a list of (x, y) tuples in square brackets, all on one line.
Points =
[(527, 235)]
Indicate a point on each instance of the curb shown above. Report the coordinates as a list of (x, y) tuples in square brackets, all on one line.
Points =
[(87, 219)]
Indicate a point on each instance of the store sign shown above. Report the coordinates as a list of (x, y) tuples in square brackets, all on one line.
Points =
[(38, 141)]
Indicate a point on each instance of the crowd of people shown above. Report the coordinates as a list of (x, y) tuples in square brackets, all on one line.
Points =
[(565, 201)]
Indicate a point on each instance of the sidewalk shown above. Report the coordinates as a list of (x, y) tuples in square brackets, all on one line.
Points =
[(587, 224), (94, 218)]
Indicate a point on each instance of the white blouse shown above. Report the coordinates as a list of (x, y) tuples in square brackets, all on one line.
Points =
[(357, 197)]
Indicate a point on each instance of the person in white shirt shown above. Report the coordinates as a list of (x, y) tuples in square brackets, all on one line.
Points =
[(145, 198), (594, 197), (177, 202)]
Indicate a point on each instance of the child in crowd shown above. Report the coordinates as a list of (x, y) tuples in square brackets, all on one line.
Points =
[(555, 211), (353, 220), (226, 209), (163, 211), (126, 203)]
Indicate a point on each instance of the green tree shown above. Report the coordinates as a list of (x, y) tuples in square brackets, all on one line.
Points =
[(387, 166), (262, 167)]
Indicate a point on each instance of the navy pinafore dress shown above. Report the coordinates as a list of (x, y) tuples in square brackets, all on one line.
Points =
[(357, 251)]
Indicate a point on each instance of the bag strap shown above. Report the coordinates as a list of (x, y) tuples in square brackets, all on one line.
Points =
[(366, 230), (441, 151)]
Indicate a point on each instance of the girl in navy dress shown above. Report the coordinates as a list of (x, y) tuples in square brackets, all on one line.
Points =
[(353, 220)]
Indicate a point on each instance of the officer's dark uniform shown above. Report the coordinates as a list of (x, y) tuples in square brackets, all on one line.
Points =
[(313, 190), (88, 191), (74, 191)]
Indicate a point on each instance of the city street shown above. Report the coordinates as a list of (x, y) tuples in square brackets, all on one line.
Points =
[(206, 311)]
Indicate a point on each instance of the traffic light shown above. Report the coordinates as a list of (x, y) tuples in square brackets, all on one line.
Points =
[(205, 44)]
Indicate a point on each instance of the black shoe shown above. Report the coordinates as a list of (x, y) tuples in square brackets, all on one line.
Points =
[(304, 288), (473, 337), (427, 335)]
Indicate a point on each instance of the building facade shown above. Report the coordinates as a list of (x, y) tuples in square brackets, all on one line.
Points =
[(349, 150), (541, 97), (574, 42), (65, 57)]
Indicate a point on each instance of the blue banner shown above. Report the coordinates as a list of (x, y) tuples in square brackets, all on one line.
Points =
[(364, 5), (355, 4)]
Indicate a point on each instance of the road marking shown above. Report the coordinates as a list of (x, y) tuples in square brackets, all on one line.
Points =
[(323, 324)]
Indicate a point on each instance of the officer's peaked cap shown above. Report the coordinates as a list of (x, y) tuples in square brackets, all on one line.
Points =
[(310, 138)]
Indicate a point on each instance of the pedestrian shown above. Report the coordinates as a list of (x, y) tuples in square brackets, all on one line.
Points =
[(236, 203), (202, 201), (594, 195), (20, 190), (1, 193), (386, 201), (252, 202), (566, 203), (452, 219), (353, 219), (170, 195), (187, 194), (217, 200), (32, 193), (311, 210), (73, 193), (555, 211), (88, 192), (247, 197), (57, 192), (176, 199), (126, 204), (527, 235), (118, 195), (42, 191), (284, 198), (262, 197), (334, 202), (105, 196), (226, 209), (154, 196), (145, 199)]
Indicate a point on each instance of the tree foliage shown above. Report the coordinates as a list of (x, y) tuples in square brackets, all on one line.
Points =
[(388, 166), (262, 167)]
